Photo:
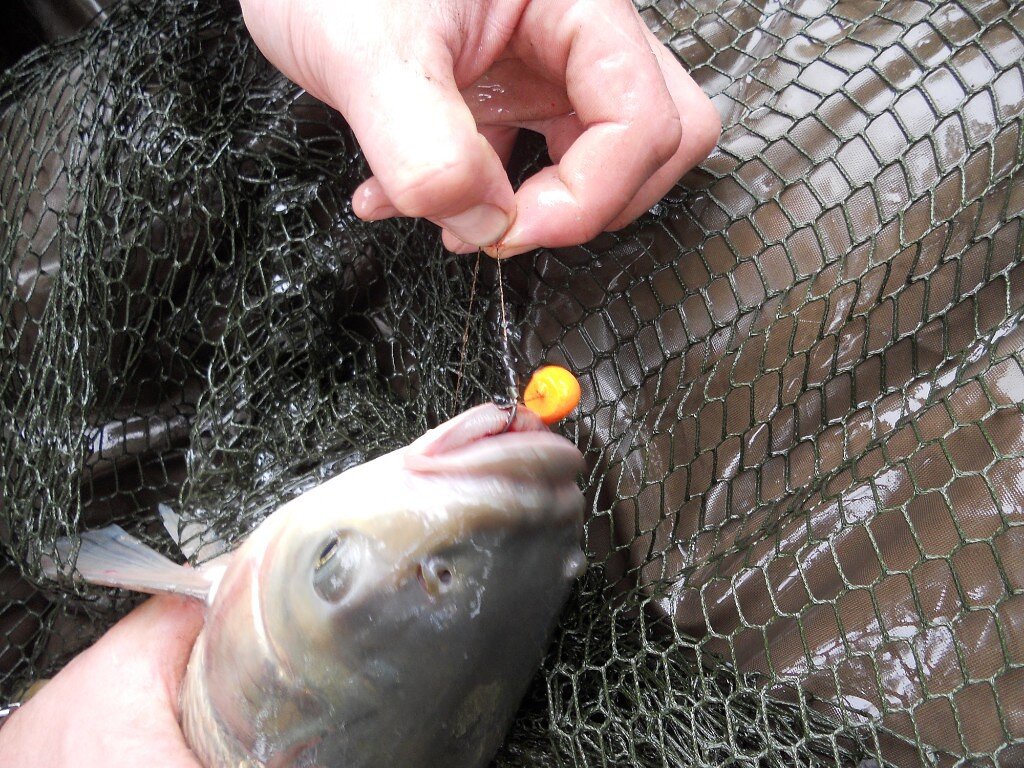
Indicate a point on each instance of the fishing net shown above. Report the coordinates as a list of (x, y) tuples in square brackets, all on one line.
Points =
[(802, 371)]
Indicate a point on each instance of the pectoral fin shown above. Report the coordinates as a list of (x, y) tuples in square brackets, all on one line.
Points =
[(195, 541), (112, 557)]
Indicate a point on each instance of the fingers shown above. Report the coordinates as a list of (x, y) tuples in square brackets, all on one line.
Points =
[(502, 139), (370, 195), (388, 68), (622, 119), (701, 126), (423, 146), (115, 704), (513, 93), (628, 101)]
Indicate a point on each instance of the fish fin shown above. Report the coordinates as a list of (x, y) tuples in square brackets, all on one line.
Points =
[(112, 557), (195, 541)]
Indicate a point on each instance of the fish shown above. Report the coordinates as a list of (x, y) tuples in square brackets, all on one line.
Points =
[(392, 615)]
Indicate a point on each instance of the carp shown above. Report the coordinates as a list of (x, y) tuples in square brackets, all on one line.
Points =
[(393, 615)]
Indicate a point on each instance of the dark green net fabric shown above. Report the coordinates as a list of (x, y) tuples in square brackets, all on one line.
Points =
[(802, 371)]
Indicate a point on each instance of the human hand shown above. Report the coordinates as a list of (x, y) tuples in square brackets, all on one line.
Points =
[(436, 91), (116, 704)]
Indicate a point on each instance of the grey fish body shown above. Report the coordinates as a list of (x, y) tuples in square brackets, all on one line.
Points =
[(393, 615), (247, 701)]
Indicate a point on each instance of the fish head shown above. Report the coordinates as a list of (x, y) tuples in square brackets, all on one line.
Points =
[(428, 581)]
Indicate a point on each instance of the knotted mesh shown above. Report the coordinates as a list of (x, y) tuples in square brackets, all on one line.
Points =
[(802, 371)]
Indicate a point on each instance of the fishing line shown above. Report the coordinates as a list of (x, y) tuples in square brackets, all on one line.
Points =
[(465, 330), (511, 403)]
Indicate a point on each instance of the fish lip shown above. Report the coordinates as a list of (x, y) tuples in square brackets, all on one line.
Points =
[(482, 442), (526, 456), (486, 420)]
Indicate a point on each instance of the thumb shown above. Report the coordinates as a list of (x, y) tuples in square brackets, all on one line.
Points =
[(422, 143)]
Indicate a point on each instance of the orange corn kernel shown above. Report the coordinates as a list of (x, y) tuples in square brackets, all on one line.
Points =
[(552, 393)]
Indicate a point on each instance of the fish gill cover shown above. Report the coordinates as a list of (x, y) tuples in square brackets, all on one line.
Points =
[(802, 371)]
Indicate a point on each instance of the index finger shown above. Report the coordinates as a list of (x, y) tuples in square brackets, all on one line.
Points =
[(631, 126)]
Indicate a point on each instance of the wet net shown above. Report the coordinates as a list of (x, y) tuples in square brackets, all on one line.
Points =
[(802, 371)]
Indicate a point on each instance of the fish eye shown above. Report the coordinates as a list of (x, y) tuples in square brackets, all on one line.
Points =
[(435, 575), (334, 566), (328, 551)]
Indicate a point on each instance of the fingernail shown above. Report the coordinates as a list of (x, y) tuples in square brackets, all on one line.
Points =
[(453, 244), (503, 251), (379, 213), (482, 225)]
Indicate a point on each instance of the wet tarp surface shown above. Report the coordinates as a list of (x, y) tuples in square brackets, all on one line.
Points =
[(802, 371)]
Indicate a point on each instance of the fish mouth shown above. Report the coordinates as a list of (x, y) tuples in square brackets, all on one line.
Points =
[(477, 443)]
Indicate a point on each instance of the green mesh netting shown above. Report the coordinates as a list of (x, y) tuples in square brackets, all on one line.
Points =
[(802, 371)]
